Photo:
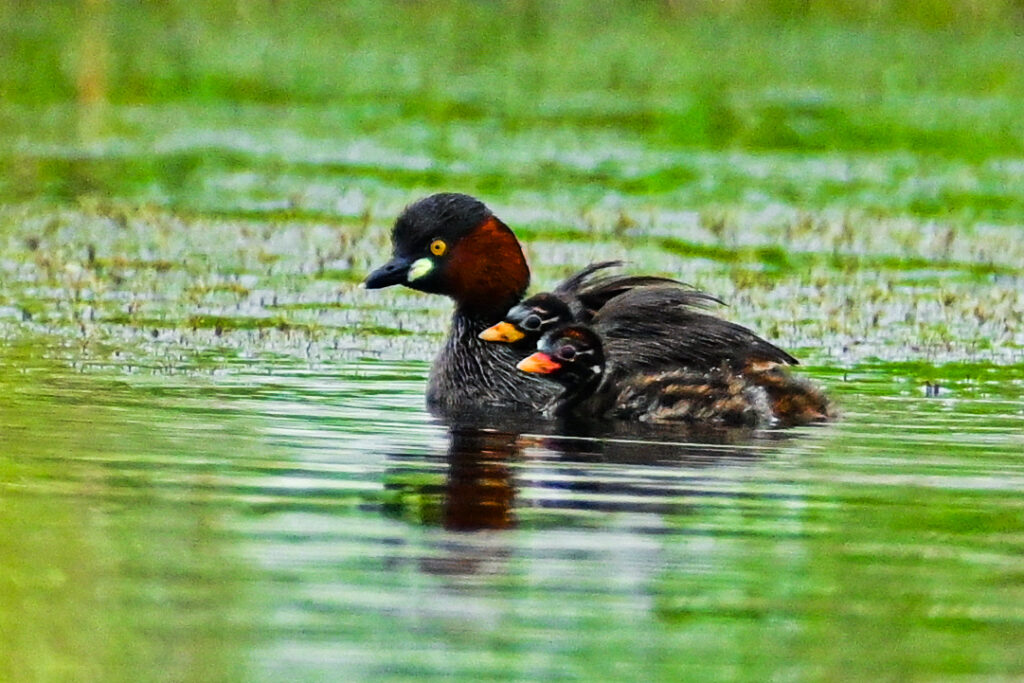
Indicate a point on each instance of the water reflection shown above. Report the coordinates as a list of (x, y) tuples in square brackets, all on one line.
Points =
[(480, 491), (477, 482)]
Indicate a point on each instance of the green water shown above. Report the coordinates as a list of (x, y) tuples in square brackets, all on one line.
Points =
[(215, 462), (294, 520)]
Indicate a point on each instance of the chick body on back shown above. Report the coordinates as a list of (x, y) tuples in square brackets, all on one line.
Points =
[(651, 355), (593, 388), (661, 328)]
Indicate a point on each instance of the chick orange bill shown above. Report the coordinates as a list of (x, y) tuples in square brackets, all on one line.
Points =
[(502, 332), (539, 362)]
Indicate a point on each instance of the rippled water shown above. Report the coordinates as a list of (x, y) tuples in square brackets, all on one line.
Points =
[(280, 520)]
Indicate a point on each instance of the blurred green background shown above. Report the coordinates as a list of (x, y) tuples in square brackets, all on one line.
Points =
[(916, 77)]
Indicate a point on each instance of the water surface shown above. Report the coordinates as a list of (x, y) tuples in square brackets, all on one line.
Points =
[(270, 519)]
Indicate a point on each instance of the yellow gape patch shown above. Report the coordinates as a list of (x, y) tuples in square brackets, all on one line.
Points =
[(419, 268)]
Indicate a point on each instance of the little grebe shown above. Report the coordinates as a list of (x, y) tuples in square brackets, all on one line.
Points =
[(574, 357), (452, 244), (763, 395)]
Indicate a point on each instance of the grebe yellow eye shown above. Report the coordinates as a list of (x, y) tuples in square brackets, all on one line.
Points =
[(437, 247)]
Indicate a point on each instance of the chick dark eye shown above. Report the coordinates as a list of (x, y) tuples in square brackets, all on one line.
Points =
[(567, 352), (532, 323)]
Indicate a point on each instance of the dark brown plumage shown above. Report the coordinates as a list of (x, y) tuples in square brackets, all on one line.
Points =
[(580, 298), (589, 290), (657, 328), (599, 383)]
